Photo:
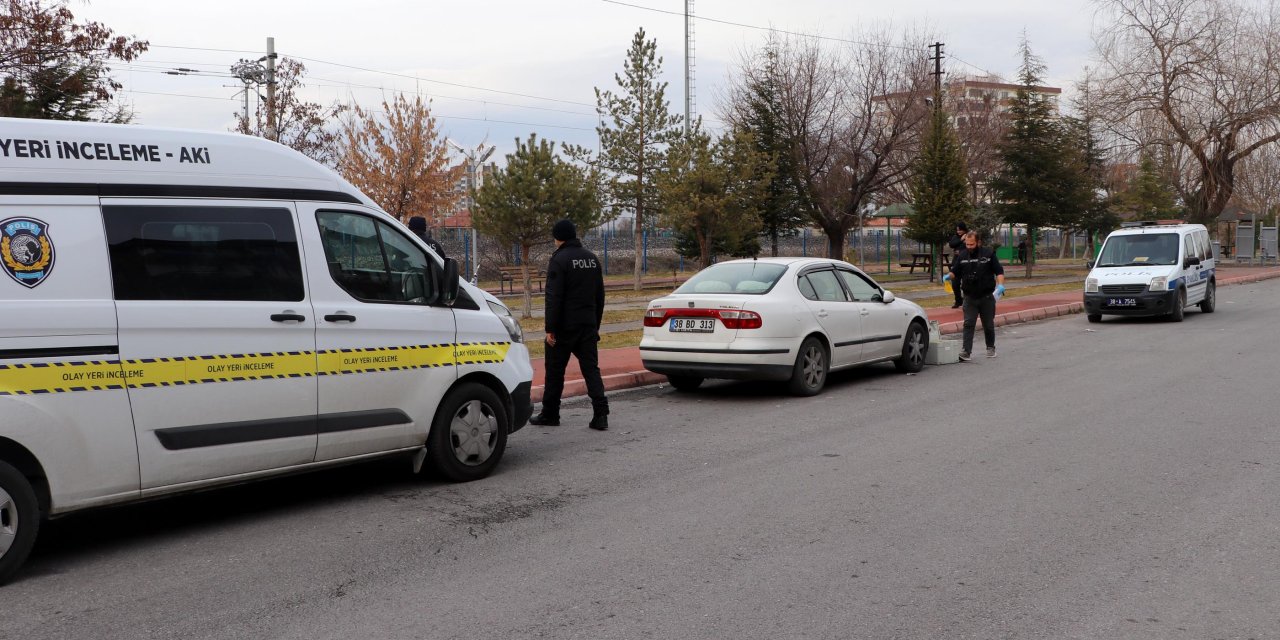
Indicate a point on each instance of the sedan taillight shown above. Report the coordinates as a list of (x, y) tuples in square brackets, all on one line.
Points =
[(655, 317), (741, 319), (730, 318)]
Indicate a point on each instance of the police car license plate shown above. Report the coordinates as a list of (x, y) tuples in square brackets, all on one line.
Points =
[(1122, 302), (695, 325)]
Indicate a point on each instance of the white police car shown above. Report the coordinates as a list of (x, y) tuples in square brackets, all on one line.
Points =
[(180, 310), (1149, 269)]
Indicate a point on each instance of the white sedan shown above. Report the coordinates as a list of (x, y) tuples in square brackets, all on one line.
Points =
[(792, 319)]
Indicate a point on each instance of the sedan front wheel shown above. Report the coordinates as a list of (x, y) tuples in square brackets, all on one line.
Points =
[(914, 348)]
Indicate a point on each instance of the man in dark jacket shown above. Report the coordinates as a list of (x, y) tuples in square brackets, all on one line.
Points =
[(957, 244), (418, 225), (575, 306), (976, 270)]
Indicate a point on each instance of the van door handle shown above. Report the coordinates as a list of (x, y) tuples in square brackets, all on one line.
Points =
[(339, 317), (287, 317)]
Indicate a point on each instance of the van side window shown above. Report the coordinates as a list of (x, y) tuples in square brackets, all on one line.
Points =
[(1206, 252), (203, 253), (371, 260)]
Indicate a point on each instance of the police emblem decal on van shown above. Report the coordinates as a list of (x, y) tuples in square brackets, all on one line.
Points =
[(26, 250)]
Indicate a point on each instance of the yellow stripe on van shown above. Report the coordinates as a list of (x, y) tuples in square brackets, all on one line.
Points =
[(63, 377)]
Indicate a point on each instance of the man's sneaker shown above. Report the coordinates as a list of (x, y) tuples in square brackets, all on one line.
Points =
[(600, 423), (991, 352), (544, 420), (965, 357), (956, 305)]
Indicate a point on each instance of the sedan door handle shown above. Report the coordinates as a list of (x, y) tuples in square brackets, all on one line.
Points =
[(822, 313), (339, 317), (864, 312), (288, 317)]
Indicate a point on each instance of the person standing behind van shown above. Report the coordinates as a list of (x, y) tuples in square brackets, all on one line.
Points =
[(574, 309), (418, 225), (976, 270), (957, 244)]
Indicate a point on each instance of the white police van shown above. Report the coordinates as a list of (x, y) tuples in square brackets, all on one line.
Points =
[(180, 310), (1149, 269)]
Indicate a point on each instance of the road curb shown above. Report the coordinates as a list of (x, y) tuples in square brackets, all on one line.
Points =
[(643, 378)]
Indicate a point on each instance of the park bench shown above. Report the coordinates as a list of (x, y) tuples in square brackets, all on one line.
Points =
[(509, 275)]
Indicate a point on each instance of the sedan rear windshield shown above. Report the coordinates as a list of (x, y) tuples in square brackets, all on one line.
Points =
[(1140, 250), (748, 278)]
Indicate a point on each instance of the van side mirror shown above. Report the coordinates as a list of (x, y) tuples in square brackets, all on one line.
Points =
[(413, 287), (449, 282), (1193, 260), (1088, 265)]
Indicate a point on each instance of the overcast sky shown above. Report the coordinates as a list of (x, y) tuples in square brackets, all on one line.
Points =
[(501, 69)]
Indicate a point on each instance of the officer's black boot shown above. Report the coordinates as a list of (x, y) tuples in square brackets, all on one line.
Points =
[(545, 420), (600, 422)]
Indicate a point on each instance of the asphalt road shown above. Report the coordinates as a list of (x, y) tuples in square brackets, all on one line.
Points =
[(1095, 481)]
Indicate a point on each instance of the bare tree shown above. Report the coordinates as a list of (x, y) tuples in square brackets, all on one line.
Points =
[(1200, 78), (852, 117), (1258, 182)]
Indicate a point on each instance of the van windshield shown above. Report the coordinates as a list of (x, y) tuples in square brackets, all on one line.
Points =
[(751, 278), (1140, 250)]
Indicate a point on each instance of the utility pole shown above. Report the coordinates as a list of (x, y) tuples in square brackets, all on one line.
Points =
[(250, 72), (475, 158), (937, 73), (272, 134), (689, 53)]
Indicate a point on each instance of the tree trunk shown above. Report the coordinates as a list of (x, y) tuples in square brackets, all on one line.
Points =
[(638, 238), (1062, 245), (704, 249), (774, 249), (528, 284), (835, 244), (1031, 251)]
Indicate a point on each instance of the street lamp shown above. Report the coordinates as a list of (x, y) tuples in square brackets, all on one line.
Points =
[(472, 163)]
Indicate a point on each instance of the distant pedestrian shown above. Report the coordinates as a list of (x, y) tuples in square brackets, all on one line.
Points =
[(574, 309), (1022, 249), (976, 270), (418, 225), (957, 244)]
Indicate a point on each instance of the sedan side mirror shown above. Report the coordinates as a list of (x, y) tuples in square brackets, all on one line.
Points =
[(887, 297)]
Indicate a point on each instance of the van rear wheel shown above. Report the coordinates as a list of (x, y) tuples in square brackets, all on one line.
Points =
[(469, 433), (19, 520), (1210, 298)]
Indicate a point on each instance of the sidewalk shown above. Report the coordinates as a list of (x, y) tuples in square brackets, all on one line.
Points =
[(621, 368)]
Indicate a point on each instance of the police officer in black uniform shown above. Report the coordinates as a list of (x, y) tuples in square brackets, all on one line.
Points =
[(575, 306), (976, 270), (418, 225)]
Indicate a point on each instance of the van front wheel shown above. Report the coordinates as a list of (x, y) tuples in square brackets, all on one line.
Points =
[(1179, 306), (19, 520), (469, 434)]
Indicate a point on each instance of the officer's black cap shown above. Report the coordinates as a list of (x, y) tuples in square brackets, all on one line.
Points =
[(564, 230)]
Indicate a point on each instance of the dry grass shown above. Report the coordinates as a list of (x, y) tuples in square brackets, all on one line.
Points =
[(947, 300), (607, 341)]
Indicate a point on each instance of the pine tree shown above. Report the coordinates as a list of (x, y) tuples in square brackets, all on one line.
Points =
[(519, 204), (1149, 197), (781, 212), (940, 185), (633, 146), (712, 192), (1037, 184)]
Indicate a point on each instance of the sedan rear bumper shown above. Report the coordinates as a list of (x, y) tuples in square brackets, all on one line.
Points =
[(726, 370)]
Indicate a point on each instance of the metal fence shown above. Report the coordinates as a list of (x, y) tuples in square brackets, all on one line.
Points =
[(657, 255)]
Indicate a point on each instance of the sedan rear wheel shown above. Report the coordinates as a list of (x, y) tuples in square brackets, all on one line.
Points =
[(810, 372), (914, 348)]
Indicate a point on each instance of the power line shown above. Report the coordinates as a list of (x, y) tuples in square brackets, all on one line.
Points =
[(770, 29), (451, 84), (339, 84)]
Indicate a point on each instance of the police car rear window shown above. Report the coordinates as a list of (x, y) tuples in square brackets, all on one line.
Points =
[(203, 253)]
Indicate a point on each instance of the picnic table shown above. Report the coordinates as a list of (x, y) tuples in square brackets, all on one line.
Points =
[(923, 261)]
